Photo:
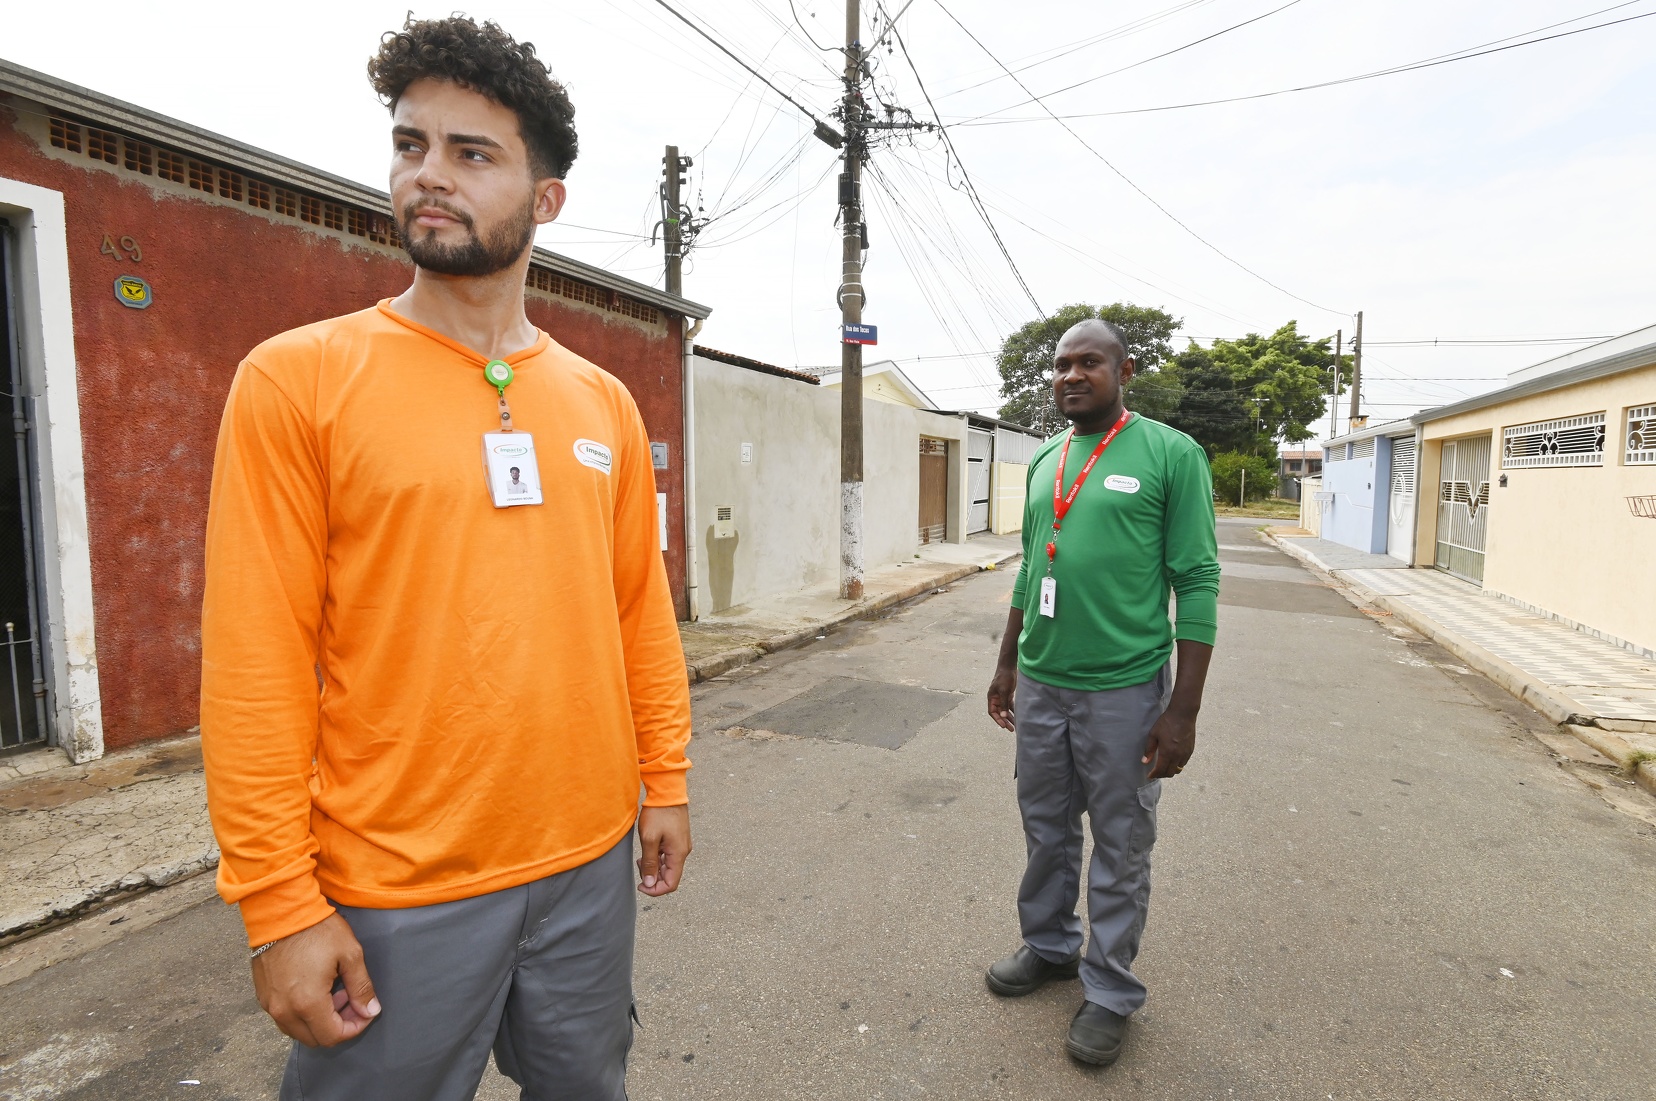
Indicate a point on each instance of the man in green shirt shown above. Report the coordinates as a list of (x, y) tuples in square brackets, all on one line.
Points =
[(1099, 720)]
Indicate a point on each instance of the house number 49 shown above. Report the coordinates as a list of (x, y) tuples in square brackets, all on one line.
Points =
[(126, 249)]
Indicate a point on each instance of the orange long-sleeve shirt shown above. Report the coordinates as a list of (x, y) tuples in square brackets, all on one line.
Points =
[(494, 683)]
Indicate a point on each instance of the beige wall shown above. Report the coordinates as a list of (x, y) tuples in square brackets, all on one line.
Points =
[(1008, 485), (1562, 540), (786, 501), (1310, 507)]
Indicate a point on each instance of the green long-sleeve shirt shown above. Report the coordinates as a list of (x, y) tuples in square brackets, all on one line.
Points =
[(1141, 526)]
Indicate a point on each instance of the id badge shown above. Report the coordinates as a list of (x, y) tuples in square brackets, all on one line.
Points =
[(1049, 596), (509, 465)]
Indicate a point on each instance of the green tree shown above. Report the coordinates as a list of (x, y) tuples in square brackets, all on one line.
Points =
[(1228, 467), (1213, 409), (1025, 362), (1286, 376)]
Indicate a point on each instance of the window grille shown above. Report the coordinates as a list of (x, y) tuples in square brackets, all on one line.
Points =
[(632, 307), (230, 184), (310, 209), (258, 194), (65, 134), (333, 215), (382, 230), (101, 145), (1363, 449), (169, 165), (542, 280), (1641, 436), (140, 158), (1403, 467), (1568, 441), (201, 177), (286, 202), (356, 222)]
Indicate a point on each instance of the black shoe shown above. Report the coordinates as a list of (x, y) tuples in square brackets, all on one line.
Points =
[(1095, 1034), (1024, 972)]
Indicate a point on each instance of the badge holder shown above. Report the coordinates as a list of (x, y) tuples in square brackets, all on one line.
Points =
[(509, 465)]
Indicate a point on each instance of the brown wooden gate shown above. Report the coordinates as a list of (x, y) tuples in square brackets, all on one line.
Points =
[(934, 490)]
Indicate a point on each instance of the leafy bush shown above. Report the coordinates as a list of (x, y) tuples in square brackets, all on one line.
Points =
[(1227, 476)]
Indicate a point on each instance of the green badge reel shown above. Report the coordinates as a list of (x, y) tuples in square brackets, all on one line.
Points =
[(499, 374)]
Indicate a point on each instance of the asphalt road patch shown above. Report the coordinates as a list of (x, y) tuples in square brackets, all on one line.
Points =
[(868, 712)]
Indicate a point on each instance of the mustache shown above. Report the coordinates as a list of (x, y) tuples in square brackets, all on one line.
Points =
[(453, 211)]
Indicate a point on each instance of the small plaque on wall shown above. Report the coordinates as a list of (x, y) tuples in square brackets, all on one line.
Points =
[(658, 455)]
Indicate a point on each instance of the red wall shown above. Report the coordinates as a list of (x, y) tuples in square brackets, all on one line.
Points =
[(153, 382)]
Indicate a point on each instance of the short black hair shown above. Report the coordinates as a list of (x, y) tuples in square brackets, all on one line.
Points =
[(491, 62), (1117, 333)]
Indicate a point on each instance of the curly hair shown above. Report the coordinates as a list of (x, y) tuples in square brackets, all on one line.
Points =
[(487, 60)]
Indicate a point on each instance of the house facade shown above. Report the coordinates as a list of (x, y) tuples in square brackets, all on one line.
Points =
[(144, 258), (1542, 492)]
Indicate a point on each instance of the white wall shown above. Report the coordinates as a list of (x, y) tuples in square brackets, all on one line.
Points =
[(65, 576), (786, 500)]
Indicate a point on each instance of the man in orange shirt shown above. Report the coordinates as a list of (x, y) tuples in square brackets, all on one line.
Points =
[(423, 764)]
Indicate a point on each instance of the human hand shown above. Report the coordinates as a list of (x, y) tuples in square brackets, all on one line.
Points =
[(1002, 688), (664, 838), (294, 981), (1171, 742)]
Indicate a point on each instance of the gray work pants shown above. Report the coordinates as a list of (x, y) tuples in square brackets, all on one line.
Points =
[(1082, 751), (541, 973)]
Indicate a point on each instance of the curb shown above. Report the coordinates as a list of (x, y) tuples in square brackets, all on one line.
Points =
[(96, 897), (1553, 705), (724, 662)]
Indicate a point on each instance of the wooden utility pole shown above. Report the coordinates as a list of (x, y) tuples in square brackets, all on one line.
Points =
[(672, 226), (851, 304), (1356, 372)]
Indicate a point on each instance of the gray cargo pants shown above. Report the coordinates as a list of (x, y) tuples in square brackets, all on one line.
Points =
[(1082, 751), (541, 973)]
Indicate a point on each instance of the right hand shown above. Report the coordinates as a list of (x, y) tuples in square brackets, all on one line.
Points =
[(294, 982), (1001, 690)]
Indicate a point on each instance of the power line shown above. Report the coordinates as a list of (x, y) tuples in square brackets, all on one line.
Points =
[(822, 127), (1428, 63), (1168, 53), (1150, 198), (1124, 30), (965, 176)]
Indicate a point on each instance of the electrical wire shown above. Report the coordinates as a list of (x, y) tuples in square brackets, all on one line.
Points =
[(728, 53), (966, 176), (1106, 162), (1125, 30), (1428, 63), (1113, 72)]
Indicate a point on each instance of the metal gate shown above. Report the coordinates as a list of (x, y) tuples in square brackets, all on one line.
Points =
[(1463, 507), (980, 452), (1401, 503), (934, 490), (23, 687)]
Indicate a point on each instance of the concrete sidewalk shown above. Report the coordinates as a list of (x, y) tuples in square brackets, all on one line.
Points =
[(715, 644), (74, 838), (1601, 693)]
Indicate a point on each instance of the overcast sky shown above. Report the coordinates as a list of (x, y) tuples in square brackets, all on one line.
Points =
[(1502, 197)]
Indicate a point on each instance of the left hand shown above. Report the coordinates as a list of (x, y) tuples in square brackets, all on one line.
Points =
[(664, 838), (1170, 745)]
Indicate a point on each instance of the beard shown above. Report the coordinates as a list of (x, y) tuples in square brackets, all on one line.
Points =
[(475, 256)]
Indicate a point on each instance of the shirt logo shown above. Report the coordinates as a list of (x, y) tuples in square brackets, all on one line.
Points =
[(594, 454), (1121, 483)]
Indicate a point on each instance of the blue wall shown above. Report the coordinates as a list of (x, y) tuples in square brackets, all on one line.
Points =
[(1356, 517)]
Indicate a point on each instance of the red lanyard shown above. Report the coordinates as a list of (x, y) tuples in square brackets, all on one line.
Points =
[(1061, 501)]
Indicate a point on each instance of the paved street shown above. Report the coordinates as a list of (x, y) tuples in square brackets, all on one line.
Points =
[(1372, 882)]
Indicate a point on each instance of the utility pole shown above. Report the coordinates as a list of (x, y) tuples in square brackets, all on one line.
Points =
[(1334, 390), (851, 304), (673, 168), (1356, 371)]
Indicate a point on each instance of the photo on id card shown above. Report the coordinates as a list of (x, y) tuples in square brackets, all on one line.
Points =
[(509, 463)]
